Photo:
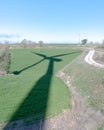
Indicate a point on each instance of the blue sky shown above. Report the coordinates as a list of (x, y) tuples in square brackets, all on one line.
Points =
[(52, 20)]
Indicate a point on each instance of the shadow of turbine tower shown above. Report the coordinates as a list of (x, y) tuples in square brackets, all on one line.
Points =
[(38, 95)]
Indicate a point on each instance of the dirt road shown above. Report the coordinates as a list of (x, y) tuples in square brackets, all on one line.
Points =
[(89, 59)]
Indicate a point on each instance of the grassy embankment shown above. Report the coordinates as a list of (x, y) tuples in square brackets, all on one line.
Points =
[(89, 82)]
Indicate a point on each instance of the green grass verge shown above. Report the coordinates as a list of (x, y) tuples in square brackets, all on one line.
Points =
[(101, 127), (89, 82), (35, 90)]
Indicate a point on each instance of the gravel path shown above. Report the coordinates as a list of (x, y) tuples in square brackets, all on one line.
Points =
[(89, 59)]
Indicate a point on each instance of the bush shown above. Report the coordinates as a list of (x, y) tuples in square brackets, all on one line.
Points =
[(5, 60)]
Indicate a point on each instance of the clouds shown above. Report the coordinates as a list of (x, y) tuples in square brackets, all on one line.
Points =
[(8, 36)]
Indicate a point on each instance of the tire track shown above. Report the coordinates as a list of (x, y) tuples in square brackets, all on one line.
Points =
[(89, 59)]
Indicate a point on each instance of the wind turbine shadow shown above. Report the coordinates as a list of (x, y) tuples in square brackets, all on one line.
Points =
[(35, 104), (17, 72)]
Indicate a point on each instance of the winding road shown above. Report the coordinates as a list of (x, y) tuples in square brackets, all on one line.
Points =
[(89, 59)]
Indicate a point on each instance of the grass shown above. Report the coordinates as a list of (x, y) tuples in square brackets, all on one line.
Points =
[(34, 90), (89, 82), (101, 127)]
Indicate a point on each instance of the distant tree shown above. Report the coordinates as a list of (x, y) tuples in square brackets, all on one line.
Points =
[(103, 42), (40, 43), (84, 41), (24, 41)]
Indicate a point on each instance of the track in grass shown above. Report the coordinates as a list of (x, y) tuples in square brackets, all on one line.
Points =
[(89, 59)]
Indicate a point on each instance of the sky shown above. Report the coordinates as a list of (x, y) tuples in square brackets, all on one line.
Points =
[(52, 20)]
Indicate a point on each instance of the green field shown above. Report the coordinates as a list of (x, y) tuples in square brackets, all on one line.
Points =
[(34, 90)]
